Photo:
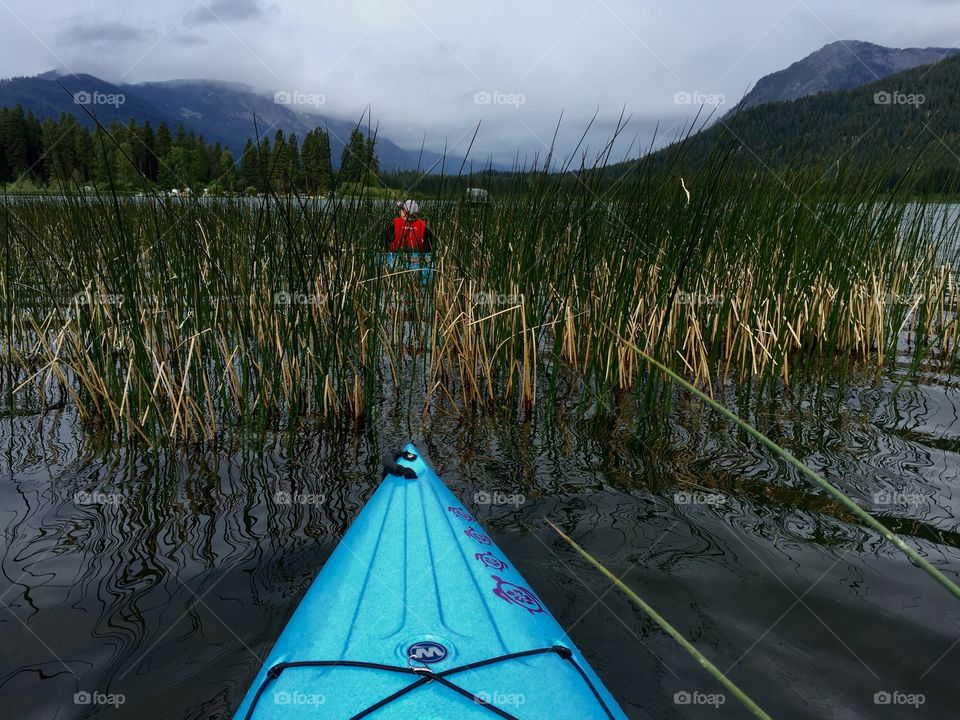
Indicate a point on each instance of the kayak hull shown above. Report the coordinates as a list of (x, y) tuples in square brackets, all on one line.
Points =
[(415, 587), (412, 262)]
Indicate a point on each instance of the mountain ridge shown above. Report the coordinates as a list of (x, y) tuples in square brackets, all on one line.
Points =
[(891, 119), (840, 65)]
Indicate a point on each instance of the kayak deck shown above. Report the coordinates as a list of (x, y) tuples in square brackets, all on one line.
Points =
[(411, 618)]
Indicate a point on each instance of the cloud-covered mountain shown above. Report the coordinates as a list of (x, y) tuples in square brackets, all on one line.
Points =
[(228, 113)]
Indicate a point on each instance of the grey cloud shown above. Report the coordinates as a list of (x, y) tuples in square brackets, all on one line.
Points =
[(223, 11), (189, 39), (86, 32)]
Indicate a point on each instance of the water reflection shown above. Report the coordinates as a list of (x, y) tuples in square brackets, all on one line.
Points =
[(165, 577)]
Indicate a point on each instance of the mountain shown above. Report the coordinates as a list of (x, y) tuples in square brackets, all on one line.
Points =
[(220, 111), (44, 97), (887, 119), (841, 65)]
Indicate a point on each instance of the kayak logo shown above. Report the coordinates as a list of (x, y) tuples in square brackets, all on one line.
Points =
[(517, 594), (491, 561), (478, 536), (460, 513), (427, 651)]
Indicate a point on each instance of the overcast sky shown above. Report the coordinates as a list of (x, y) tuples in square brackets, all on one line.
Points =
[(438, 67)]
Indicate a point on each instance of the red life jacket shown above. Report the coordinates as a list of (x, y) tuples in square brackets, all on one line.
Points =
[(408, 235)]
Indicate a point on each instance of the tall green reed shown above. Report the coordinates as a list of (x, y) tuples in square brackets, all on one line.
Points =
[(191, 319)]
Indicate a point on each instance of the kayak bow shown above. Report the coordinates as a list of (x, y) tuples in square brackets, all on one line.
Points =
[(418, 615)]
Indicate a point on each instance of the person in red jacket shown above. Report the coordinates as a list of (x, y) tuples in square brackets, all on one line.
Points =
[(408, 232)]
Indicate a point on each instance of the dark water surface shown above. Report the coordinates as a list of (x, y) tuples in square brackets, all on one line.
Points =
[(164, 578)]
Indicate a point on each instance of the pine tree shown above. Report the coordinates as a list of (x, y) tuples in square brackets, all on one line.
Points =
[(84, 153), (249, 174), (309, 155), (214, 156), (103, 160), (264, 156), (228, 172), (199, 164), (164, 141), (5, 174), (316, 162), (355, 159), (279, 163), (371, 159), (17, 141), (34, 148), (295, 163), (126, 156), (148, 143), (58, 150), (324, 176)]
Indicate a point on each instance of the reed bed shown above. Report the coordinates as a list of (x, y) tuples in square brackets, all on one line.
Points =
[(189, 320)]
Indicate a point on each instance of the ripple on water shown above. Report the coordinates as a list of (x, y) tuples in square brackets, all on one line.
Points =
[(166, 577)]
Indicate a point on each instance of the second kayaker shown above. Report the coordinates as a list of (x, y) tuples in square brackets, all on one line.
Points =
[(408, 232)]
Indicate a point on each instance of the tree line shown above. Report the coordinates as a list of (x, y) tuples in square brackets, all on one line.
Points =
[(63, 153)]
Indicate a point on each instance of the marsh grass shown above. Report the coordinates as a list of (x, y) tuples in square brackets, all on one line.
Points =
[(190, 320)]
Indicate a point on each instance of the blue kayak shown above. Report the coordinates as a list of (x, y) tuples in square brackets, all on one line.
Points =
[(411, 262), (417, 615)]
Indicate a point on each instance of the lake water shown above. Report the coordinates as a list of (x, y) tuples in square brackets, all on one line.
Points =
[(165, 577)]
